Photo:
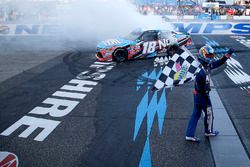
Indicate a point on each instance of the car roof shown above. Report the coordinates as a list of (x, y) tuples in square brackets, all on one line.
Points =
[(151, 30), (166, 31)]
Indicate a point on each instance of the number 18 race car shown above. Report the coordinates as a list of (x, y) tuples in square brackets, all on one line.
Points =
[(140, 44)]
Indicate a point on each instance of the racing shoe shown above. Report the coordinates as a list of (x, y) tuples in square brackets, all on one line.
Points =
[(212, 134), (192, 139)]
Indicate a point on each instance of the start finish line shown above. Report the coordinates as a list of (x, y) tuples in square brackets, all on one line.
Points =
[(215, 28)]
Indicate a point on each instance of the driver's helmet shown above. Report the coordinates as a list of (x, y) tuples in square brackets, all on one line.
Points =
[(206, 54)]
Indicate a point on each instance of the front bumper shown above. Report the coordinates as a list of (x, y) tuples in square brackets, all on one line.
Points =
[(100, 57)]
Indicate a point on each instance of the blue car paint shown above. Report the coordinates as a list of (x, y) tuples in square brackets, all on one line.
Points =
[(126, 42), (123, 42), (111, 44)]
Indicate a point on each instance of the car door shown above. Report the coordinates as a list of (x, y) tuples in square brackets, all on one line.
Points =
[(149, 41)]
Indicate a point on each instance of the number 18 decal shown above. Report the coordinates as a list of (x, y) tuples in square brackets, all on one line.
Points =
[(149, 47)]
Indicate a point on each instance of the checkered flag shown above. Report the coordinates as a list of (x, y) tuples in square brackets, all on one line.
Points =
[(181, 68)]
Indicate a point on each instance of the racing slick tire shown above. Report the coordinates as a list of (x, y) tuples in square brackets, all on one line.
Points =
[(120, 54)]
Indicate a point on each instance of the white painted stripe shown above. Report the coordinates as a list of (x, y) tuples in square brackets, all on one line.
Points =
[(96, 66), (244, 42), (104, 63), (28, 131), (232, 62), (58, 107), (80, 85), (33, 123), (69, 95), (238, 76), (226, 147)]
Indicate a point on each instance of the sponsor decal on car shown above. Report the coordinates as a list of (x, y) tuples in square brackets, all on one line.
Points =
[(8, 159), (150, 47), (112, 42)]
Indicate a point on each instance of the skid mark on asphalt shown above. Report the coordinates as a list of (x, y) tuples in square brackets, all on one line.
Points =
[(61, 102), (147, 109)]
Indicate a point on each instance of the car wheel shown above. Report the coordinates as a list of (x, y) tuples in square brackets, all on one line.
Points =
[(120, 55)]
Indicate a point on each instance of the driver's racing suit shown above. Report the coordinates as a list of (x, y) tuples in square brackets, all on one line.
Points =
[(201, 98)]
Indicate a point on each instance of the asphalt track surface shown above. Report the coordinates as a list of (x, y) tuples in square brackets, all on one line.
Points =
[(102, 129)]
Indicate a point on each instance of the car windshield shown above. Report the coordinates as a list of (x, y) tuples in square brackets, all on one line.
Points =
[(150, 36), (134, 35), (165, 34)]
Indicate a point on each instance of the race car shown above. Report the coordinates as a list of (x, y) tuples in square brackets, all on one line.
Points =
[(140, 44)]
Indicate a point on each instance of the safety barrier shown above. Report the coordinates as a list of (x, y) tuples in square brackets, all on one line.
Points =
[(207, 17)]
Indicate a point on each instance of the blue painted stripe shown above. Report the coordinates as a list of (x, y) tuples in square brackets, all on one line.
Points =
[(139, 83), (145, 75), (216, 43), (152, 108), (162, 109), (146, 156), (159, 73), (140, 114), (152, 75), (205, 37), (149, 107)]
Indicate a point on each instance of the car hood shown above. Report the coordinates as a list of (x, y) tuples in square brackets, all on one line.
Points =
[(118, 42)]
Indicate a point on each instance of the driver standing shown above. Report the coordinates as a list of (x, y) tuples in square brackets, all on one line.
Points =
[(201, 91)]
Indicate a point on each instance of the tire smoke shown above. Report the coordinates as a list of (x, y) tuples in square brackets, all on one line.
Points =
[(101, 19)]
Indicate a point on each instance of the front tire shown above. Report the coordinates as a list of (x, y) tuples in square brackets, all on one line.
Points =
[(120, 55)]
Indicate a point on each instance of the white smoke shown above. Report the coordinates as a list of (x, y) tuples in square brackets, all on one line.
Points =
[(84, 21), (100, 19)]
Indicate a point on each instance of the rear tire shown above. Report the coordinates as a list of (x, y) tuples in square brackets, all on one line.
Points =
[(120, 55)]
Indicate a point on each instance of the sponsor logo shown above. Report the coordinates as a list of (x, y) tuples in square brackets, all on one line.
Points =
[(181, 72), (193, 28), (112, 42), (214, 28), (178, 66), (30, 29), (60, 104), (8, 159), (150, 47)]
